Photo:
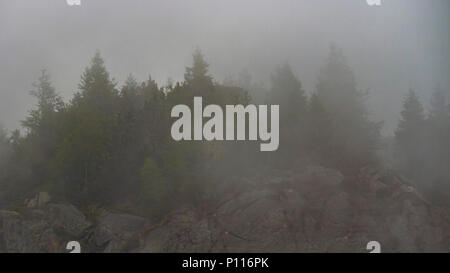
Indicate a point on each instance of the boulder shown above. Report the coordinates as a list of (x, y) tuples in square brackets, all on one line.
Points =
[(67, 219), (41, 230), (116, 232), (20, 235)]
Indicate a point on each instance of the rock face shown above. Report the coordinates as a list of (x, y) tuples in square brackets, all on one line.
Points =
[(46, 229), (314, 210), (116, 232), (318, 210)]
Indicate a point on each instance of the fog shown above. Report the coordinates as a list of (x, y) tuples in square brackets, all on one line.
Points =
[(359, 122), (399, 45)]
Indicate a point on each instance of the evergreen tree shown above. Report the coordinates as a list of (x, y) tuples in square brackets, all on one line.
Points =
[(197, 80), (150, 90), (198, 73), (410, 135), (97, 87), (48, 102), (130, 88), (286, 91), (42, 126), (89, 136), (355, 137), (131, 98), (412, 116)]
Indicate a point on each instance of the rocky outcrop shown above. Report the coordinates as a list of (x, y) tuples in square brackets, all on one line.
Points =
[(116, 232), (50, 227), (313, 210), (317, 210), (46, 229)]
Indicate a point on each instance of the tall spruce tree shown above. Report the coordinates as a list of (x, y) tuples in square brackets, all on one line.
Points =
[(90, 135), (410, 135), (198, 72), (48, 102), (97, 87), (42, 126), (286, 91), (355, 137), (198, 82)]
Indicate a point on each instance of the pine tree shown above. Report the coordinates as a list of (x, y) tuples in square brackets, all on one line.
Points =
[(95, 77), (89, 135), (410, 135), (130, 87), (198, 73), (42, 126), (132, 99), (97, 87), (198, 81), (151, 91), (355, 137), (48, 102), (286, 91), (412, 116)]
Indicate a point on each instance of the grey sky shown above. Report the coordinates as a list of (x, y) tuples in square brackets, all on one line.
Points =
[(401, 44)]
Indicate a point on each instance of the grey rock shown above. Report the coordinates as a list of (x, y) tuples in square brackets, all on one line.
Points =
[(311, 210), (66, 218), (41, 230), (113, 231)]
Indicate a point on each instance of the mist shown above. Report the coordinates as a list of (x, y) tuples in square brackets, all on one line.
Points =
[(98, 103), (391, 48)]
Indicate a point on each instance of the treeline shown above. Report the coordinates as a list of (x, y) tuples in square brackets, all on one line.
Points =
[(111, 145)]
